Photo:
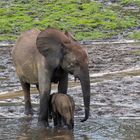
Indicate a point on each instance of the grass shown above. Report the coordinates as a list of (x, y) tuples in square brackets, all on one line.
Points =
[(130, 2), (86, 20), (134, 35)]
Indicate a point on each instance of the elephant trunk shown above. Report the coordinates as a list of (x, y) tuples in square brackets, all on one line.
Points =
[(85, 84)]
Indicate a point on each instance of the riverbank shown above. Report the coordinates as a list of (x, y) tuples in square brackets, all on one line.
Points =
[(86, 42), (86, 19)]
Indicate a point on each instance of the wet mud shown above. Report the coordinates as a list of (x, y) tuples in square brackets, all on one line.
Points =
[(115, 98)]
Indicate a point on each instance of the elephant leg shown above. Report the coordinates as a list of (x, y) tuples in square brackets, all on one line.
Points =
[(26, 90), (55, 120), (59, 120), (44, 88), (71, 124), (63, 83), (44, 109), (63, 122)]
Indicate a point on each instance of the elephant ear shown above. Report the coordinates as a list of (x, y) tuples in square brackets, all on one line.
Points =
[(70, 36), (48, 43)]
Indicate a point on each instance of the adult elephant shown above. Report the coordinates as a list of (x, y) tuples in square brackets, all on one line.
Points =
[(42, 57)]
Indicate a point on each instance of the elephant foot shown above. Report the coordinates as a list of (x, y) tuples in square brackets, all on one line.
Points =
[(43, 124)]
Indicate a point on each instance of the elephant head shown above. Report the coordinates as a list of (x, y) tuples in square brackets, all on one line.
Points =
[(62, 50)]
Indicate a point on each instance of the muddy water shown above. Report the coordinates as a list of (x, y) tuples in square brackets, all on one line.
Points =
[(8, 78), (115, 98)]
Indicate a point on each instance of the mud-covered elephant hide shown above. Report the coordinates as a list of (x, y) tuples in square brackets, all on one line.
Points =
[(43, 57)]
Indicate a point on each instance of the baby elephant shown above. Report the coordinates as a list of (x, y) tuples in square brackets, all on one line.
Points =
[(62, 109)]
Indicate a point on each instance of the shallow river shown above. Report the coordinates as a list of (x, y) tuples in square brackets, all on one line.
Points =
[(115, 98)]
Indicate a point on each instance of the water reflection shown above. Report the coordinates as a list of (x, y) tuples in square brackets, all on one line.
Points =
[(103, 129), (29, 131)]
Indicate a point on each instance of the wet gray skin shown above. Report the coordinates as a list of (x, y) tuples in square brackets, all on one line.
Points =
[(115, 98)]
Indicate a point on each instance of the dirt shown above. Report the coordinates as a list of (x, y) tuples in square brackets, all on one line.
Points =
[(113, 57), (115, 93), (115, 80)]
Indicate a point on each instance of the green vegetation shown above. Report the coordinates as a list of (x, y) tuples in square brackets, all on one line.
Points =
[(87, 20), (134, 35), (130, 2)]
